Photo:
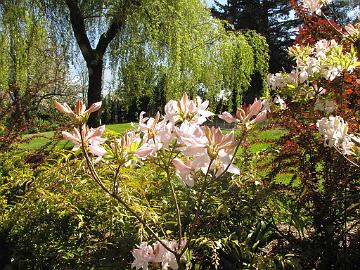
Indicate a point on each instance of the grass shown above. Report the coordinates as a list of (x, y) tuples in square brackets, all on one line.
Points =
[(121, 128), (39, 140)]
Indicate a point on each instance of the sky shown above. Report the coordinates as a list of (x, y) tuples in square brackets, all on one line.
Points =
[(210, 3)]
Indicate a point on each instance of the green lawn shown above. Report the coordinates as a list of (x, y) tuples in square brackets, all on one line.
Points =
[(38, 140)]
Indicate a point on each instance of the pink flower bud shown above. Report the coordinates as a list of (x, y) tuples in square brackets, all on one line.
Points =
[(227, 117), (254, 109), (79, 107), (261, 117), (94, 107), (63, 108)]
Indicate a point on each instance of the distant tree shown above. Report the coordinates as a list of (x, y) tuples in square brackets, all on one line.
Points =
[(343, 11), (271, 18), (154, 48), (32, 67), (175, 47)]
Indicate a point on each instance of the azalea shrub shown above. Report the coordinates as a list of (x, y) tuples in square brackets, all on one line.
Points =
[(320, 152), (192, 157)]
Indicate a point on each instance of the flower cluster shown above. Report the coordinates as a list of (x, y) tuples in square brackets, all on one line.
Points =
[(207, 149), (249, 116), (146, 254), (194, 148), (314, 6), (80, 114), (335, 132), (203, 149), (325, 60)]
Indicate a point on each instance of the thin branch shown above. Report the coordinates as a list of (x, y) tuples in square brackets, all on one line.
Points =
[(78, 26), (108, 36), (97, 179), (173, 193), (198, 206)]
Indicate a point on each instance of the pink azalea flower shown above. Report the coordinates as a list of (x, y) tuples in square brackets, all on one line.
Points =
[(352, 30), (130, 146), (92, 139), (314, 6), (255, 113), (184, 171), (157, 134), (211, 146), (156, 254), (193, 111), (143, 255), (80, 113)]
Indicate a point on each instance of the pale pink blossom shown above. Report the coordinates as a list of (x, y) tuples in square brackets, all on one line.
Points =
[(191, 138), (148, 125), (280, 101), (352, 30), (347, 146), (129, 148), (322, 47), (152, 128), (252, 114), (80, 113), (143, 255), (157, 134), (276, 81), (314, 6), (146, 254), (194, 111), (184, 171), (165, 257), (211, 147), (91, 138), (334, 130)]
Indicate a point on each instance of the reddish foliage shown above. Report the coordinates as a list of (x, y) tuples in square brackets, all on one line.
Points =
[(318, 28), (324, 173)]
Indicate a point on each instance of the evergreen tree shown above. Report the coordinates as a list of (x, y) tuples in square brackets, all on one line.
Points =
[(271, 18)]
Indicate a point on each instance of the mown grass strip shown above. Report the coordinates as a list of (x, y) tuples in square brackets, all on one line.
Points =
[(39, 140)]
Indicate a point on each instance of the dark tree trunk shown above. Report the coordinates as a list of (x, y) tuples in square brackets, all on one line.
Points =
[(93, 57), (94, 90)]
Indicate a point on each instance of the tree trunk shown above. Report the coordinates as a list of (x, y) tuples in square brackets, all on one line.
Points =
[(95, 71), (92, 57)]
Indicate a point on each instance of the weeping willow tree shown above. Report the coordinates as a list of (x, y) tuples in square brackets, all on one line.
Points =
[(173, 47), (30, 64), (156, 49)]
